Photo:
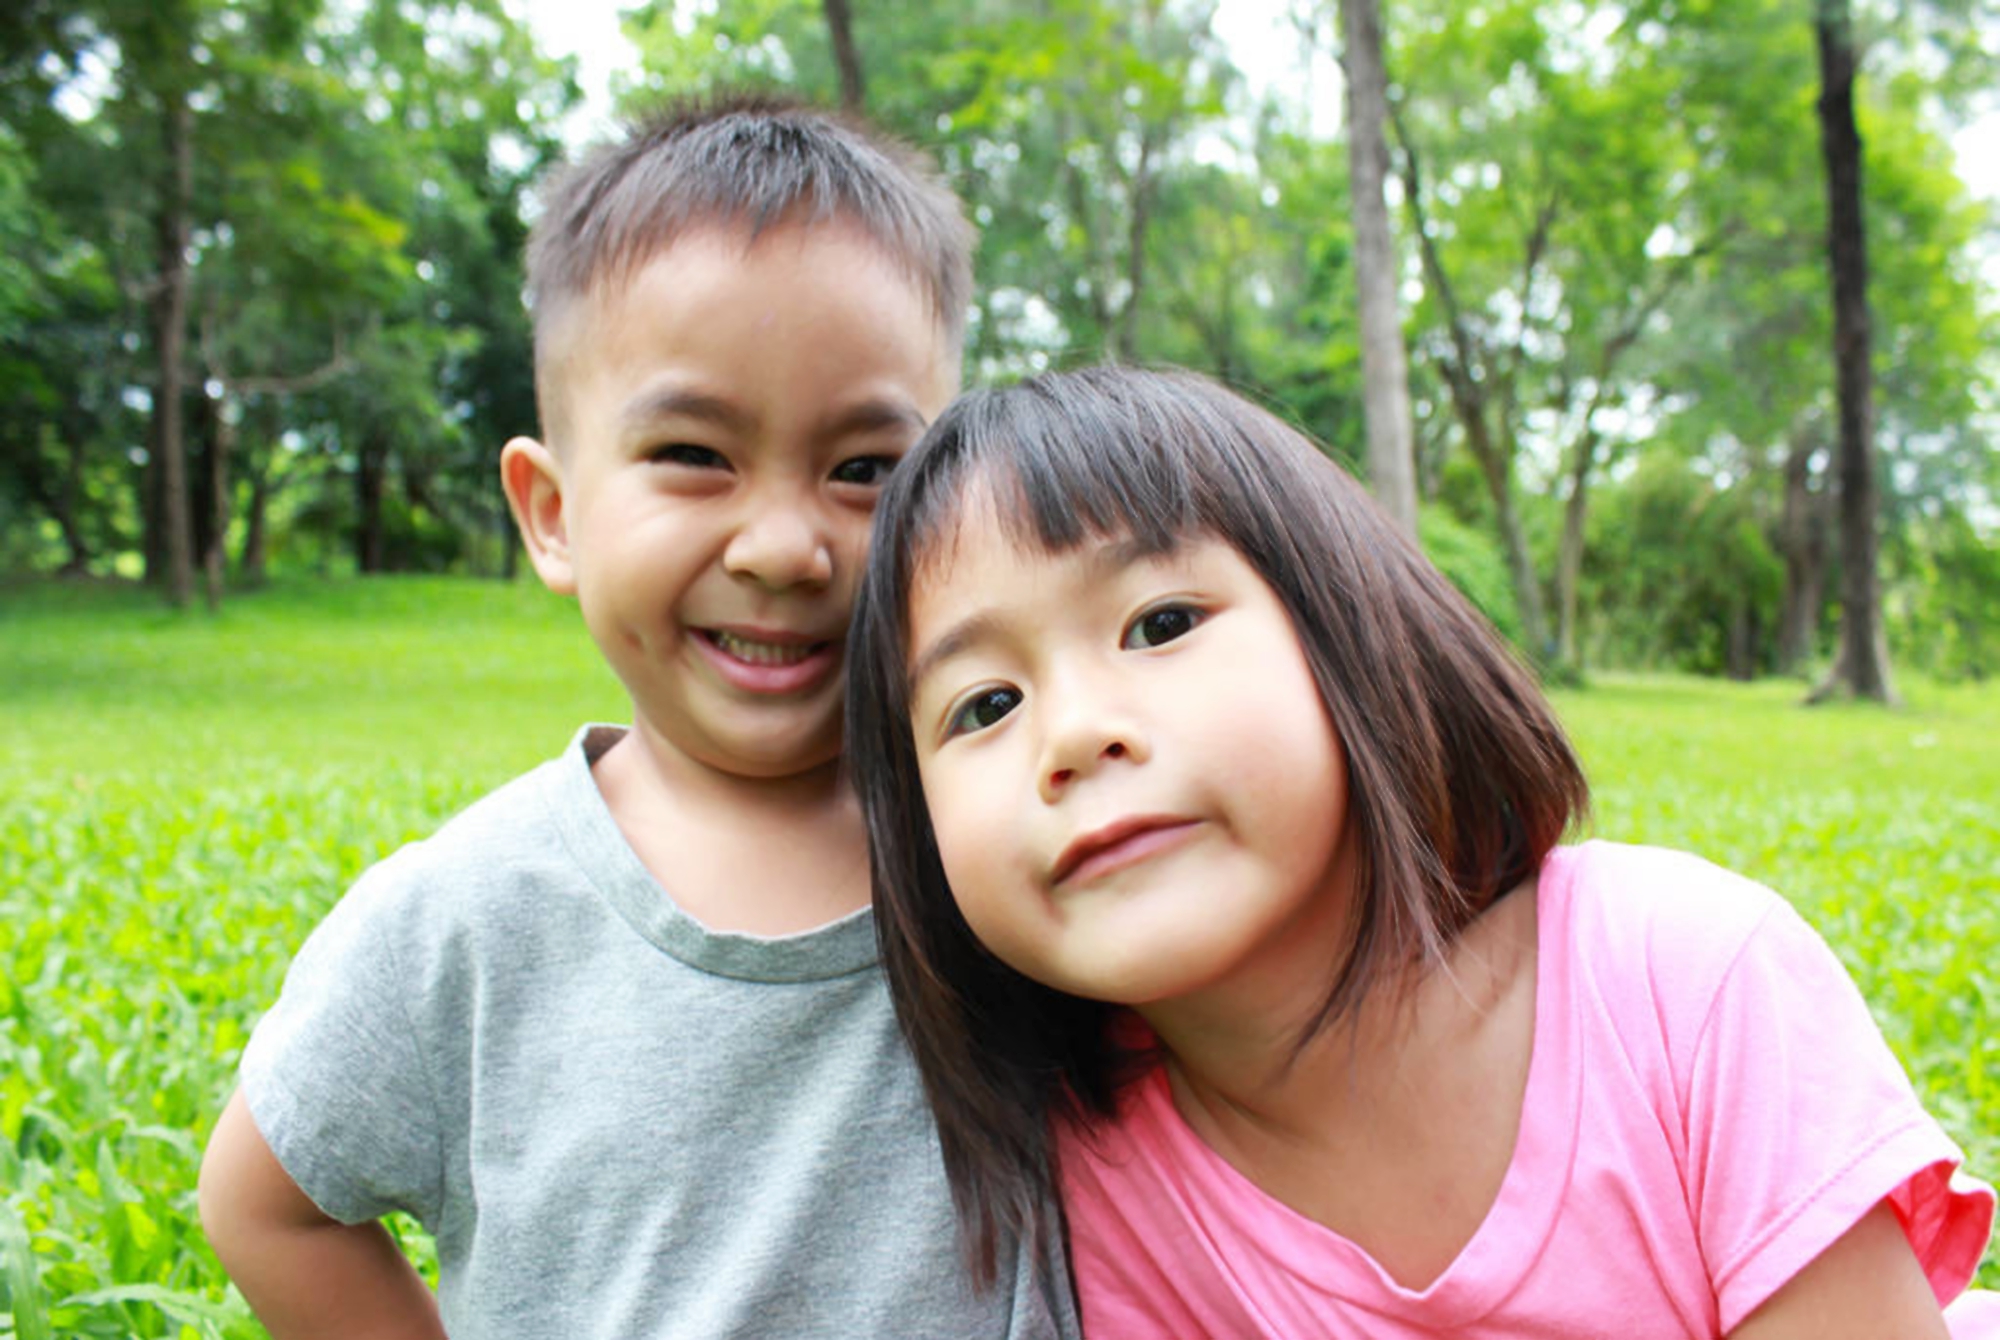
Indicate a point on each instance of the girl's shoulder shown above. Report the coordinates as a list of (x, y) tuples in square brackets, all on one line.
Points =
[(1660, 932), (1652, 895)]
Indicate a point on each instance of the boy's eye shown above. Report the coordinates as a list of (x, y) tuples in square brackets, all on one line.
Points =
[(1156, 627), (688, 455), (864, 470), (983, 709)]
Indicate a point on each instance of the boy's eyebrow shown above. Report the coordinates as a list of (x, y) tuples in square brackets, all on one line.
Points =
[(874, 413), (673, 402)]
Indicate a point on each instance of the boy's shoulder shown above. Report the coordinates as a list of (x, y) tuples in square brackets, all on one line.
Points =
[(521, 834)]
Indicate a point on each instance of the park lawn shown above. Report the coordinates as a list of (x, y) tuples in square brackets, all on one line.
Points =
[(181, 797)]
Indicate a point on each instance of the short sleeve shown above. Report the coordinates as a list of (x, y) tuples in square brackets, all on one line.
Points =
[(334, 1074), (1800, 1120)]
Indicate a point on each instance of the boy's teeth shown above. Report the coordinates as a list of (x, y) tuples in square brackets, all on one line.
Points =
[(764, 653)]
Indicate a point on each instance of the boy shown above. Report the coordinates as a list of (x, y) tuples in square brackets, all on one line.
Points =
[(616, 1034)]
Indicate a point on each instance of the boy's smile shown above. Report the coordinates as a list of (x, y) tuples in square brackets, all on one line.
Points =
[(729, 417), (759, 660)]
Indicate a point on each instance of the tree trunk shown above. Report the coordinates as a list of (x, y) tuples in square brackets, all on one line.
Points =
[(1740, 654), (199, 429), (250, 563), (152, 531), (169, 341), (1527, 586), (58, 498), (840, 27), (1470, 397), (1802, 542), (1496, 465), (221, 447), (1385, 375), (1861, 668), (1125, 339), (370, 478), (1569, 555)]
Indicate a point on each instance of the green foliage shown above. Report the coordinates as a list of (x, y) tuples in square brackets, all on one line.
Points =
[(1623, 205), (1945, 610), (354, 227), (1680, 569), (182, 798), (1475, 565)]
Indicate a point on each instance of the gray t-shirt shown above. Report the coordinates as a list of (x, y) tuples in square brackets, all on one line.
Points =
[(616, 1122)]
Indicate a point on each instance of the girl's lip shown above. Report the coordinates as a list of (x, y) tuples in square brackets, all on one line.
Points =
[(776, 678), (1118, 845)]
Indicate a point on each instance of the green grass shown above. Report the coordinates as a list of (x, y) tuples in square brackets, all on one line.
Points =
[(181, 797)]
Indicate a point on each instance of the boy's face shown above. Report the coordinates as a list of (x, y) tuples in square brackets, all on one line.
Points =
[(731, 416)]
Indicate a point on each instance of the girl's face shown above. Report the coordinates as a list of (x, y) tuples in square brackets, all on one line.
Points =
[(1137, 792)]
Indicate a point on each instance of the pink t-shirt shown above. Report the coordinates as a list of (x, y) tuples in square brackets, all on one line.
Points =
[(1709, 1106)]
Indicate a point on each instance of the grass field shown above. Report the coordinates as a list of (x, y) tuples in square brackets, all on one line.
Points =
[(182, 797)]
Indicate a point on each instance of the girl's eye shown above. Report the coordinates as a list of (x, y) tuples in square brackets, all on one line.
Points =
[(687, 455), (864, 470), (1157, 627), (984, 709)]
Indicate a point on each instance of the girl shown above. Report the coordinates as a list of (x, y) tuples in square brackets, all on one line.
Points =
[(1215, 857)]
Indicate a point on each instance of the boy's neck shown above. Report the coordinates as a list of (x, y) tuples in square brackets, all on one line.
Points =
[(759, 855)]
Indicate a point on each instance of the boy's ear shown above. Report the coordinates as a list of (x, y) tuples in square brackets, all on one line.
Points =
[(532, 477)]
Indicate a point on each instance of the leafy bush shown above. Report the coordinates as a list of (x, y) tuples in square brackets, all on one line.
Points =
[(1679, 574), (1945, 612), (1475, 565)]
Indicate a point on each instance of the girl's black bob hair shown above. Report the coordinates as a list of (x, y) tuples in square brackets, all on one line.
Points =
[(1460, 777)]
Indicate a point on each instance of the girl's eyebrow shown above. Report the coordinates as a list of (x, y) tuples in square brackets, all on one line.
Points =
[(1111, 558), (954, 640)]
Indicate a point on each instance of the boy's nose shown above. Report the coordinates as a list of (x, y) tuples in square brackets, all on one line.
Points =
[(780, 548)]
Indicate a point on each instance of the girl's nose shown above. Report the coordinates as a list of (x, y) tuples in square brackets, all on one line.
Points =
[(1085, 737), (780, 547)]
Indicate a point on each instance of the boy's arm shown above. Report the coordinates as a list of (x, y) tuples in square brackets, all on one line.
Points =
[(305, 1274)]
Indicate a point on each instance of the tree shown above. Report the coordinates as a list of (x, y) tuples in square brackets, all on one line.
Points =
[(271, 192), (158, 44), (1064, 127), (1862, 667), (1377, 273), (1747, 399), (1537, 183), (840, 31)]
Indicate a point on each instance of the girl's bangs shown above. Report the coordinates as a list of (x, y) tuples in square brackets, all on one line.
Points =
[(1097, 467)]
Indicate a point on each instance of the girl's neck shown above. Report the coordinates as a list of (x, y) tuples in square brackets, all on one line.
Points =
[(1244, 1054), (1415, 1100)]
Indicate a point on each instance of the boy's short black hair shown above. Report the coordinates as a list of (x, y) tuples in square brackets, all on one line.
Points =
[(750, 161), (1460, 778)]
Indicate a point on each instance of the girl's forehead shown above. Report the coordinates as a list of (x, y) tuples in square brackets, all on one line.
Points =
[(981, 515), (989, 534)]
